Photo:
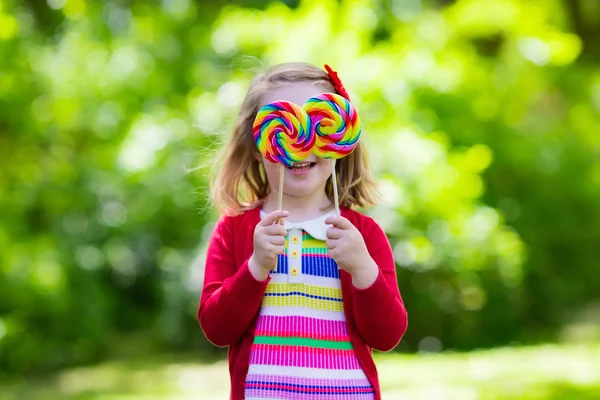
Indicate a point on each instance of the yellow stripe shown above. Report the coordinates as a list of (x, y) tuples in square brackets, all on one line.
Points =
[(315, 290), (302, 301), (314, 243), (309, 243)]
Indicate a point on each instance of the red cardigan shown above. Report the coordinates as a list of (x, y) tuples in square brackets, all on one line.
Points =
[(231, 297)]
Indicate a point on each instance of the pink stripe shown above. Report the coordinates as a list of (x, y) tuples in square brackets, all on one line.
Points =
[(308, 390), (276, 379), (309, 254), (313, 328), (274, 394), (297, 356)]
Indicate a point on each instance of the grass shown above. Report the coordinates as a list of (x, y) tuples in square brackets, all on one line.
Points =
[(550, 372)]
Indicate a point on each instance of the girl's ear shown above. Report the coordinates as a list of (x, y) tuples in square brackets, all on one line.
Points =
[(258, 156)]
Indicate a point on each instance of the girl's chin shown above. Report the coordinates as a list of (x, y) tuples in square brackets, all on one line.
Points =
[(303, 191)]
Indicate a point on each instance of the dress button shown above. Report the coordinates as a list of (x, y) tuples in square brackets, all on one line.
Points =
[(295, 254), (295, 239), (294, 271)]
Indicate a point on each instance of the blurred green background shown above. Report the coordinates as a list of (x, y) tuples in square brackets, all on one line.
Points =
[(482, 118)]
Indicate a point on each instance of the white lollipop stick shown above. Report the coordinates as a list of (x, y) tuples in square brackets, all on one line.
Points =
[(335, 188)]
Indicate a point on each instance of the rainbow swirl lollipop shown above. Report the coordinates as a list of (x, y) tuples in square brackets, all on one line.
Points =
[(282, 133), (335, 123)]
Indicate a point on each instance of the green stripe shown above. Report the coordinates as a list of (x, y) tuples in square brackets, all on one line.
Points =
[(315, 249), (296, 341)]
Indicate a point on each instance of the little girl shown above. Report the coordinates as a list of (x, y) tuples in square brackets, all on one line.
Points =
[(305, 329)]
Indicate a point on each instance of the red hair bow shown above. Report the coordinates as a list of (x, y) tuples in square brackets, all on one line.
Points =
[(337, 83)]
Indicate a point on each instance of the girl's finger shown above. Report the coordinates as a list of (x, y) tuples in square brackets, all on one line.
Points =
[(275, 230), (334, 233), (276, 240), (332, 243), (274, 216), (332, 253), (339, 222), (279, 249)]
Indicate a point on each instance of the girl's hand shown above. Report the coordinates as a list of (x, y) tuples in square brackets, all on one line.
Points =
[(269, 242), (347, 247)]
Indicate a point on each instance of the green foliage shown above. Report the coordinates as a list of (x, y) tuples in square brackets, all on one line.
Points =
[(534, 373), (481, 117)]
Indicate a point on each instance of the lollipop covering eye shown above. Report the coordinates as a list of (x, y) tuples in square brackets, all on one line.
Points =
[(335, 123), (282, 132)]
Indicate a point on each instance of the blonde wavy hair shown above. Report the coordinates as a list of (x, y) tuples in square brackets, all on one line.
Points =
[(239, 182)]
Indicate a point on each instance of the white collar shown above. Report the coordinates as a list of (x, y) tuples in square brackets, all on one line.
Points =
[(315, 227)]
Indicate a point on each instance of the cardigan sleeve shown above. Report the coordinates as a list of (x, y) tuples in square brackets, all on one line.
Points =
[(231, 296), (379, 312)]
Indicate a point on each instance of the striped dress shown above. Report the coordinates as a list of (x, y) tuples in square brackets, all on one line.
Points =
[(302, 347)]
